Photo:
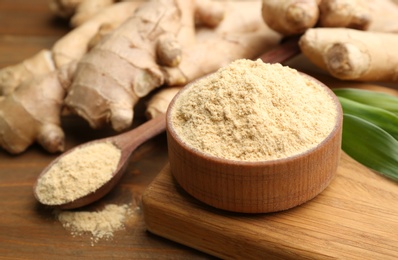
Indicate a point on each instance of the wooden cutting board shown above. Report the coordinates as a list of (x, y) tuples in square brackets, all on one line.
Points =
[(356, 217)]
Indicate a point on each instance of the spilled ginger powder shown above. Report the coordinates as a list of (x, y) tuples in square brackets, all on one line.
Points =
[(253, 111), (101, 224), (78, 173)]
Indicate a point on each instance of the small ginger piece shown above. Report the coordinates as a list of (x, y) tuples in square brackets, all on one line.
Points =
[(345, 13), (160, 101), (350, 54), (290, 17)]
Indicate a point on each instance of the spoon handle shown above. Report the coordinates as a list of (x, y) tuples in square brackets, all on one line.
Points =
[(130, 140)]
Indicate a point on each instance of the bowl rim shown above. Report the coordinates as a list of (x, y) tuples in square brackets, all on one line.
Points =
[(172, 132)]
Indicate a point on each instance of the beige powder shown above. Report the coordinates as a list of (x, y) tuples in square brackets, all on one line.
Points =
[(99, 224), (78, 173), (252, 111)]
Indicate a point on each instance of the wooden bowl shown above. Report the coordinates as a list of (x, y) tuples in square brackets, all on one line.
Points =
[(255, 187)]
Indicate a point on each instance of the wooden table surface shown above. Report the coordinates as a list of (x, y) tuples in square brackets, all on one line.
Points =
[(29, 230)]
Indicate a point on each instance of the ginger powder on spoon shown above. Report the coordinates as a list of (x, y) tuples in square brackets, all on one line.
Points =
[(78, 173)]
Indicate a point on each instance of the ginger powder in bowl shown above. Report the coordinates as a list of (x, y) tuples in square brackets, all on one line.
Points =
[(254, 137)]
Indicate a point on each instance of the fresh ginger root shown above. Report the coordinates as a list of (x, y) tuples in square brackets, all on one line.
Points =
[(36, 87), (87, 9), (290, 17), (32, 113), (345, 13), (125, 66), (73, 45), (294, 17), (384, 15), (241, 34), (350, 54), (208, 13), (160, 101), (69, 48), (370, 15)]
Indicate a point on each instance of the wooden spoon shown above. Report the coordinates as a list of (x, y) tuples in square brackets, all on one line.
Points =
[(127, 142)]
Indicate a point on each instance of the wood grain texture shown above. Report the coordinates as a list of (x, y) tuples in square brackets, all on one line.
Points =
[(26, 28), (356, 217)]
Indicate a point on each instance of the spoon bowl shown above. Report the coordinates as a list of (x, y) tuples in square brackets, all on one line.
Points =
[(127, 142)]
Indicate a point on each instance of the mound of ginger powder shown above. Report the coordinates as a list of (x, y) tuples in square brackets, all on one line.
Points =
[(254, 111)]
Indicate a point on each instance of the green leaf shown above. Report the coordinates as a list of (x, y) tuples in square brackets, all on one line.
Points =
[(370, 145), (368, 97), (384, 119)]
